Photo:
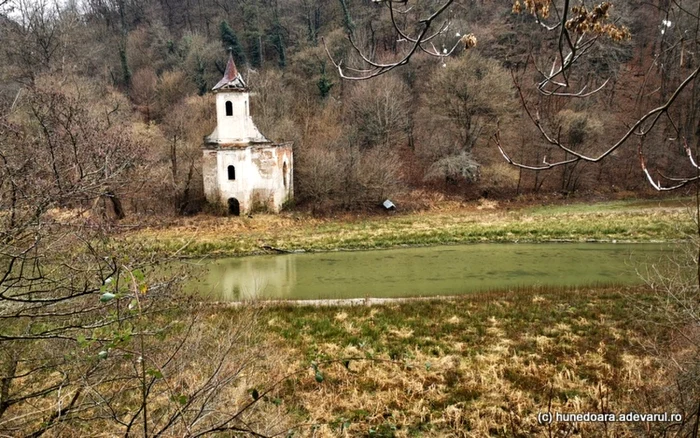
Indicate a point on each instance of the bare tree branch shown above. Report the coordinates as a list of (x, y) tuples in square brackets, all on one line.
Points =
[(421, 42), (641, 127)]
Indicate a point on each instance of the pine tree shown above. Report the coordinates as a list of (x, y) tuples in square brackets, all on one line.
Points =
[(347, 20), (324, 84), (230, 41), (252, 33), (278, 43)]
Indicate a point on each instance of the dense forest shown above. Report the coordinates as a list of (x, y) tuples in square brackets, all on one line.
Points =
[(120, 91)]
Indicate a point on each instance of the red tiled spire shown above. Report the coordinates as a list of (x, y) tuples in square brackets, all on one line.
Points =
[(231, 70), (232, 78)]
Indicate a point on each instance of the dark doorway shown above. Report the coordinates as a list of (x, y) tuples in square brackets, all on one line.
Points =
[(234, 208)]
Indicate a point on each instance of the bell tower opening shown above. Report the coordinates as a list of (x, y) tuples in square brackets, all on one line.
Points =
[(241, 168)]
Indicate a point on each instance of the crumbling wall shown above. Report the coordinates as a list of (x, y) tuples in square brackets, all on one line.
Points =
[(263, 175), (210, 176)]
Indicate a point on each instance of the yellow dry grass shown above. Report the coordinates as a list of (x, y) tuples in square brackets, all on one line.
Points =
[(488, 379), (483, 221)]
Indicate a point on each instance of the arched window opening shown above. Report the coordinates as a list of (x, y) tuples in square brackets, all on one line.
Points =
[(231, 172), (234, 207), (229, 108), (284, 174), (246, 108)]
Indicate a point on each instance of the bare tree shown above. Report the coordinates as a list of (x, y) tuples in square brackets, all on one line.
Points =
[(184, 126), (92, 338), (380, 110), (419, 36), (467, 98), (577, 30), (672, 93), (54, 154)]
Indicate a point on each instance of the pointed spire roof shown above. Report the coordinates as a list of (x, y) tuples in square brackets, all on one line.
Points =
[(232, 79)]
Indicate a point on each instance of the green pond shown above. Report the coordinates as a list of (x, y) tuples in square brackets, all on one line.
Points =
[(422, 271)]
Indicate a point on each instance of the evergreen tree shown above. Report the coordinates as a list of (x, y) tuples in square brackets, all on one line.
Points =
[(254, 48), (324, 84), (230, 41), (278, 43), (126, 72), (347, 20), (199, 77), (252, 34)]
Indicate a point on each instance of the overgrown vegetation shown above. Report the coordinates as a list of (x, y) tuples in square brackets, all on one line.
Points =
[(103, 106), (88, 343), (429, 125), (615, 221), (482, 365)]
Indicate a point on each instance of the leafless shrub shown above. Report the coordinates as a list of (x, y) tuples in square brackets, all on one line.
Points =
[(380, 111), (320, 174), (499, 177), (454, 167), (92, 338), (349, 178), (377, 175), (675, 306)]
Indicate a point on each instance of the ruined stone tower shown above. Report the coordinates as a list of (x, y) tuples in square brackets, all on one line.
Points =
[(242, 169)]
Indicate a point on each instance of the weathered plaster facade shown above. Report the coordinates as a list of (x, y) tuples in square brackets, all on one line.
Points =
[(242, 169)]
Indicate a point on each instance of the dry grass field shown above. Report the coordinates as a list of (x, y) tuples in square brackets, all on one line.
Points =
[(480, 365), (630, 221), (475, 366)]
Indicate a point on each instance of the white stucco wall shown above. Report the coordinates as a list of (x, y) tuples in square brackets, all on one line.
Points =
[(238, 127), (260, 180)]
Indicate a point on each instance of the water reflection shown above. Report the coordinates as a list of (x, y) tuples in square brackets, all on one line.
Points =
[(248, 278), (421, 271)]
